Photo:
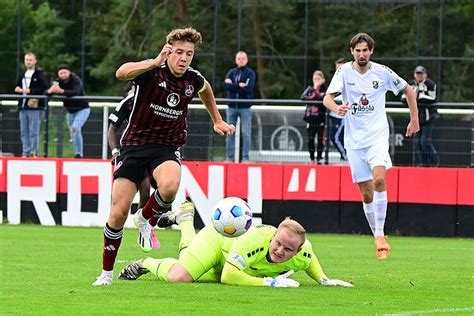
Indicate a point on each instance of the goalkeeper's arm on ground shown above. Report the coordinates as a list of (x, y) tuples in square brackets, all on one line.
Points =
[(233, 275), (316, 273)]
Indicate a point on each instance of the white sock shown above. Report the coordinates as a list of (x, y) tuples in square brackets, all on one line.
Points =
[(380, 201), (369, 214), (141, 218), (108, 273)]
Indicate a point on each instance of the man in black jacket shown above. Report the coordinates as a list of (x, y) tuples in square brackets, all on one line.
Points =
[(239, 83), (31, 81), (69, 84), (424, 153)]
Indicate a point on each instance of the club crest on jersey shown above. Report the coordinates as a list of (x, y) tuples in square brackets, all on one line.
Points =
[(189, 91), (172, 100), (375, 84)]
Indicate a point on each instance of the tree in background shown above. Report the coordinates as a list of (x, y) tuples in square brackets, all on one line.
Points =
[(271, 32), (42, 32)]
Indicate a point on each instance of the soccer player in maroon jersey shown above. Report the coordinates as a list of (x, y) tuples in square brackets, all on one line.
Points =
[(164, 86)]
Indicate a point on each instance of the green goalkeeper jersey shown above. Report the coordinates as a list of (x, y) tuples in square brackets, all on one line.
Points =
[(248, 254)]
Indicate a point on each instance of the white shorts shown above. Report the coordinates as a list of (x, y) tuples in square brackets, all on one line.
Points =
[(363, 160)]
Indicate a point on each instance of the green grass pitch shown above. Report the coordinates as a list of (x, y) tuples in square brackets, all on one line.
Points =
[(49, 271)]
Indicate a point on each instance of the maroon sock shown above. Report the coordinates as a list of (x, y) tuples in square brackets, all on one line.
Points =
[(155, 207), (112, 240)]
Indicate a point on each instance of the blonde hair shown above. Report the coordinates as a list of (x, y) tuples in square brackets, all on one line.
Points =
[(187, 34), (294, 228), (319, 73)]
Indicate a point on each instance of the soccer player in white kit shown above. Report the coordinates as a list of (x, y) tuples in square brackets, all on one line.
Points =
[(363, 85)]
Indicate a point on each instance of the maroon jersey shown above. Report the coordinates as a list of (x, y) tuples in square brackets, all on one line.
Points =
[(160, 107)]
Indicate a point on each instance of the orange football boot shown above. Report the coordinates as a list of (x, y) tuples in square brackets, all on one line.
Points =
[(383, 248)]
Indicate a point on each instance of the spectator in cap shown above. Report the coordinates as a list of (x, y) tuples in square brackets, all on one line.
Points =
[(424, 152), (69, 84)]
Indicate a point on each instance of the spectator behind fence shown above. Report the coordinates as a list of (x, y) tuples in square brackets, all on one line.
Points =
[(336, 126), (424, 152), (31, 81), (69, 84), (239, 83), (315, 115)]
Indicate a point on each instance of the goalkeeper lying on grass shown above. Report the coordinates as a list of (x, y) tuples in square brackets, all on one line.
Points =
[(263, 256)]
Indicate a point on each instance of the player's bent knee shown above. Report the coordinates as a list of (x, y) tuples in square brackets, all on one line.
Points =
[(178, 273), (379, 183)]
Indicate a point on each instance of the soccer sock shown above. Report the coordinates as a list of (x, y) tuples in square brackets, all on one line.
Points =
[(369, 210), (187, 234), (155, 207), (159, 267), (112, 240), (380, 201)]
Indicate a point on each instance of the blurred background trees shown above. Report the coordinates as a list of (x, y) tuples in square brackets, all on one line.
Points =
[(286, 40)]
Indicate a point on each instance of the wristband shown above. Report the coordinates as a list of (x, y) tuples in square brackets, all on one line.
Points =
[(115, 151)]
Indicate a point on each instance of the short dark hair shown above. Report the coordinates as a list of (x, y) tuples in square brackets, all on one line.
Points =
[(361, 38), (341, 60), (63, 66)]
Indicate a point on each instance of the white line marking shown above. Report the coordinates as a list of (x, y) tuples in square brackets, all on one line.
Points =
[(432, 311)]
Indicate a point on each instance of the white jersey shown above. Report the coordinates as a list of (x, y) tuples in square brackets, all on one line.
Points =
[(366, 121)]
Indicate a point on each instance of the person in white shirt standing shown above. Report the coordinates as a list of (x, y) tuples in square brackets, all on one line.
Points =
[(363, 85), (30, 82)]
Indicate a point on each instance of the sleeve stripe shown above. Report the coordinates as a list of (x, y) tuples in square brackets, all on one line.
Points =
[(232, 264)]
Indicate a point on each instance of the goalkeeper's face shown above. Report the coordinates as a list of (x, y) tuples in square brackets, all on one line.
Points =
[(284, 246)]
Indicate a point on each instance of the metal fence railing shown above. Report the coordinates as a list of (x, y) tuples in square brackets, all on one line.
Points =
[(278, 132)]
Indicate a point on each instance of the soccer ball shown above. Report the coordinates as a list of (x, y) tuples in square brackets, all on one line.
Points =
[(232, 217)]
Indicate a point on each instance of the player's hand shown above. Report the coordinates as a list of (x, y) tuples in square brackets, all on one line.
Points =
[(281, 280), (341, 110), (412, 128), (333, 282), (165, 52), (112, 160), (222, 128)]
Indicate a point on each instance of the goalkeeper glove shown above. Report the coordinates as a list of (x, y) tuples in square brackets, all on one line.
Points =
[(281, 280), (326, 281)]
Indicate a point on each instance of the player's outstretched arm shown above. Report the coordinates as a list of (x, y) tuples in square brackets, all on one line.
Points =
[(232, 275), (209, 101), (131, 70), (334, 282), (316, 273), (414, 125)]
